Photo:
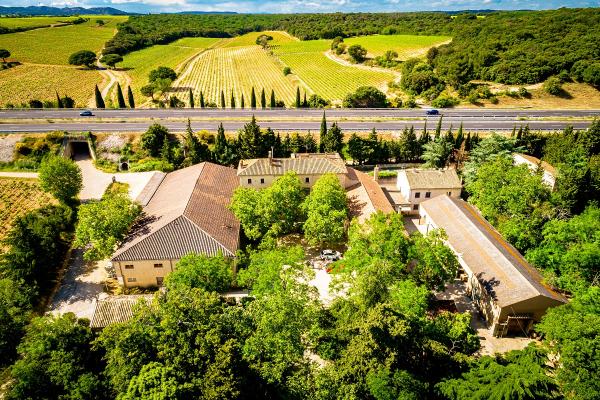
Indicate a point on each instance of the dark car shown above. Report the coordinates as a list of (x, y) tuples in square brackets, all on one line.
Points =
[(86, 113), (433, 112)]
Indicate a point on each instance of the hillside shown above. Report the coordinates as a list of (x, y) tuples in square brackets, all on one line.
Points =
[(57, 11)]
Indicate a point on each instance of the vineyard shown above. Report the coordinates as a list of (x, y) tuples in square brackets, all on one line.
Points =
[(139, 63), (17, 197), (324, 76), (55, 45), (238, 69), (24, 82), (406, 46)]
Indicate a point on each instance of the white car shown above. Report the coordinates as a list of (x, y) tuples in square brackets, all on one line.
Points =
[(330, 255)]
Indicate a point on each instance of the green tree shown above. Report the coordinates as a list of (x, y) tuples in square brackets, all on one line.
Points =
[(437, 153), (59, 103), (553, 86), (272, 103), (334, 140), (155, 381), (365, 97), (298, 103), (4, 54), (83, 57), (232, 100), (61, 178), (357, 149), (103, 224), (242, 102), (323, 133), (435, 263), (252, 99), (148, 90), (98, 97), (326, 208), (223, 105), (490, 148), (111, 59), (191, 97), (213, 274), (162, 73), (195, 151), (152, 140), (130, 98), (120, 98), (14, 315), (202, 105), (357, 53), (250, 140), (263, 99)]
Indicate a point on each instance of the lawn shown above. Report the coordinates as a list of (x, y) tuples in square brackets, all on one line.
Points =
[(249, 39), (17, 197), (32, 22), (30, 81), (55, 45), (139, 63), (238, 69), (406, 46), (324, 76)]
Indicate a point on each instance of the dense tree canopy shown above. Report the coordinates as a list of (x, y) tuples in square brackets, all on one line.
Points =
[(61, 177)]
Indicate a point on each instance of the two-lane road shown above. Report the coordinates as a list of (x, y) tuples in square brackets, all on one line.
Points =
[(289, 119)]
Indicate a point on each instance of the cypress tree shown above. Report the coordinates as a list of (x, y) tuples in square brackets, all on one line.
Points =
[(130, 97), (120, 98), (459, 137), (223, 105), (305, 103), (99, 99), (59, 103), (201, 99), (191, 98), (298, 97), (232, 99), (252, 99), (272, 98), (263, 99), (221, 147), (323, 134), (242, 103), (438, 129)]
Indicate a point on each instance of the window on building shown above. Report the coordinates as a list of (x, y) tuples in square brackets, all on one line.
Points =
[(449, 193), (128, 266), (159, 280), (427, 195), (416, 207), (262, 180), (249, 181), (417, 195), (307, 179), (131, 280), (158, 265)]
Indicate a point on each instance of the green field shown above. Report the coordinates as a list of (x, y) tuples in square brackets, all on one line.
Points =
[(139, 63), (238, 69), (32, 22), (406, 46), (55, 45), (324, 76), (249, 39)]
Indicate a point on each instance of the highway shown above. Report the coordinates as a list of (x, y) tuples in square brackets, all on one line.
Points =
[(136, 120)]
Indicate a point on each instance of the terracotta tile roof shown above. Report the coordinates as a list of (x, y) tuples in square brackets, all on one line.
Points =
[(187, 213), (534, 161), (376, 195), (302, 164), (115, 309), (432, 178), (498, 265)]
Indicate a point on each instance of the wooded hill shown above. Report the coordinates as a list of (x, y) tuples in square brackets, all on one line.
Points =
[(516, 47)]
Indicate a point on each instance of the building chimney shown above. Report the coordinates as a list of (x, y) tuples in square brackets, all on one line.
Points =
[(293, 155), (376, 173)]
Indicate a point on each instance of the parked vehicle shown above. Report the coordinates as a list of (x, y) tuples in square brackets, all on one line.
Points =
[(330, 255), (433, 112), (86, 113)]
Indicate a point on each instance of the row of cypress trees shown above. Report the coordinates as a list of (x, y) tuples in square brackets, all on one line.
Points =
[(232, 101), (120, 98)]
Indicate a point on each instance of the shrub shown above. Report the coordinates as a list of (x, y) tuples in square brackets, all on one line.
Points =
[(287, 71), (444, 102), (357, 53), (553, 86), (366, 97), (152, 165)]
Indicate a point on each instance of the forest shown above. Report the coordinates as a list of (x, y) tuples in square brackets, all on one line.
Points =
[(516, 47)]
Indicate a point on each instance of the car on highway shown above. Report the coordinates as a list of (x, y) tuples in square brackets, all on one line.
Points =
[(86, 113), (330, 255), (432, 112)]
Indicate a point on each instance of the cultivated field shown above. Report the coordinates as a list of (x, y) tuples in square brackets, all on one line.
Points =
[(238, 69), (55, 45), (30, 81), (32, 22), (139, 63), (406, 46), (324, 76), (17, 197)]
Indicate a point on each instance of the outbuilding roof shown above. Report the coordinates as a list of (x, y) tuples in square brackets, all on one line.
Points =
[(188, 212), (501, 269), (302, 164), (115, 309), (535, 162), (432, 178)]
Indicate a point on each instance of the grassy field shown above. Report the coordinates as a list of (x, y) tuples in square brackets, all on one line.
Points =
[(139, 63), (406, 46), (249, 39), (55, 45), (32, 22), (324, 76), (28, 81), (17, 197), (238, 69)]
